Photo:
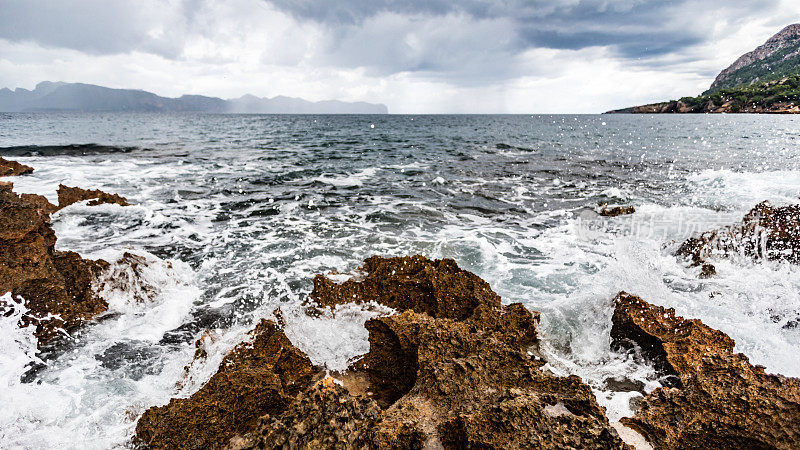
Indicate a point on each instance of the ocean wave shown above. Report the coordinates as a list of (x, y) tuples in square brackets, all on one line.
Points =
[(64, 150)]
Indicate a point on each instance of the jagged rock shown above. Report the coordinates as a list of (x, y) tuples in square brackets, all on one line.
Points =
[(716, 398), (456, 384), (613, 211), (12, 168), (326, 416), (458, 369), (438, 288), (455, 369), (452, 385), (127, 275), (69, 195), (256, 378), (766, 232), (57, 286)]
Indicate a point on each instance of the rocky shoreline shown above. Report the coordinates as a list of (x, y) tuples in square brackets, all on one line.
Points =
[(709, 107), (452, 366)]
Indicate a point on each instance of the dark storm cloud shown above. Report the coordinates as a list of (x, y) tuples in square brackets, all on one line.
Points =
[(89, 26), (465, 41), (635, 28)]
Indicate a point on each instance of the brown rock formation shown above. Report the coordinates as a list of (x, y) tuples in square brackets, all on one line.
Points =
[(765, 232), (614, 211), (717, 398), (57, 286), (13, 168), (455, 369), (326, 416), (438, 288), (69, 195), (255, 378), (457, 385)]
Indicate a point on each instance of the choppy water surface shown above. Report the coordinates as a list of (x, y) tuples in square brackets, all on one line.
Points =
[(237, 214)]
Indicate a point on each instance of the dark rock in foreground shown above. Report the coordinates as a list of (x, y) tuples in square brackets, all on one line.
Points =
[(717, 399), (70, 195), (255, 378), (56, 285), (326, 416), (766, 232), (438, 288), (456, 385), (12, 168), (454, 369)]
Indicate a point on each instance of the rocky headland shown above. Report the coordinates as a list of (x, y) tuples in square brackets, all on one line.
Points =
[(763, 81)]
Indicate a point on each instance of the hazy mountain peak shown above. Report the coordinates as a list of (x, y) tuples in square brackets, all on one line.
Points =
[(59, 96)]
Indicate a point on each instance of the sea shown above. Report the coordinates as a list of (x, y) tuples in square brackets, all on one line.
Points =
[(235, 214)]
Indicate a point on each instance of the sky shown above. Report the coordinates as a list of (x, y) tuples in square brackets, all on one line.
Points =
[(416, 56)]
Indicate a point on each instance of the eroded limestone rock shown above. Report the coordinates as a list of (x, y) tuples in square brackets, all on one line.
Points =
[(56, 285), (454, 369), (456, 384), (717, 399), (766, 232), (256, 378), (69, 195), (12, 168)]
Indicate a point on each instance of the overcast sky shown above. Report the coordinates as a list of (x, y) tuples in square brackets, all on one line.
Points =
[(417, 56)]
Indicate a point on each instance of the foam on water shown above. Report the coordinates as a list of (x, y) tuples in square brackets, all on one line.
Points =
[(234, 215)]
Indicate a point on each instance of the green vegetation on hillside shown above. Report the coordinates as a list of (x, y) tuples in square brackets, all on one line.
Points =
[(757, 96), (774, 67)]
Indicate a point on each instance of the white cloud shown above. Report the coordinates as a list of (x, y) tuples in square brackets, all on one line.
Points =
[(415, 63)]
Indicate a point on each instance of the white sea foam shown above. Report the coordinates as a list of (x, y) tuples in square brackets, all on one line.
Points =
[(742, 190), (335, 338), (242, 262), (351, 180)]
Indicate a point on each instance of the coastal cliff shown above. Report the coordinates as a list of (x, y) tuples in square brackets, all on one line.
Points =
[(763, 81)]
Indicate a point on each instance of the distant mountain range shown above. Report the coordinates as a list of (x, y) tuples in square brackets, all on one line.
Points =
[(57, 96), (765, 80)]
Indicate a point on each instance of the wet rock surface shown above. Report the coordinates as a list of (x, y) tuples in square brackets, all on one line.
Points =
[(614, 211), (10, 168), (717, 399), (454, 369), (128, 274), (455, 384), (326, 416), (70, 195), (56, 285), (766, 232), (256, 378), (438, 288)]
